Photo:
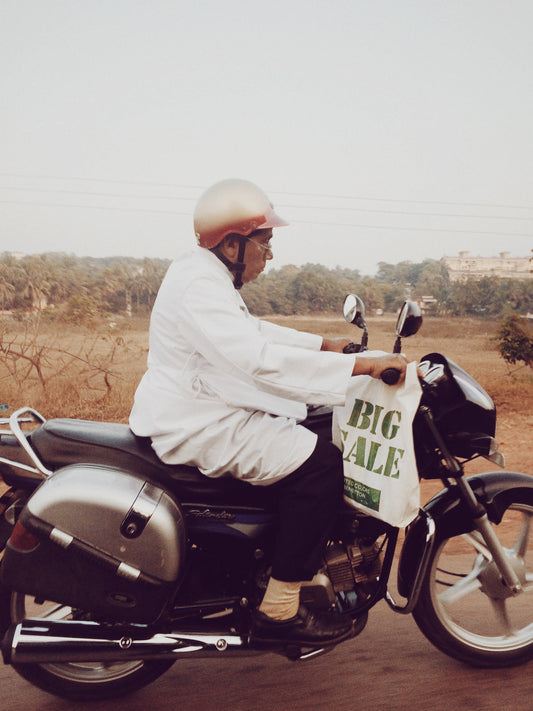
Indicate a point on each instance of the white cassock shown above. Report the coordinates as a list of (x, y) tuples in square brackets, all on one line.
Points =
[(225, 391)]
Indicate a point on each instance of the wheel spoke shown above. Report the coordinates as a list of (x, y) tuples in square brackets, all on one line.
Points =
[(499, 607), (476, 541), (470, 583), (529, 581), (521, 545)]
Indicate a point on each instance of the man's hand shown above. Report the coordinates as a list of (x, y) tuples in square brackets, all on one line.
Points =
[(334, 344), (368, 364), (375, 365)]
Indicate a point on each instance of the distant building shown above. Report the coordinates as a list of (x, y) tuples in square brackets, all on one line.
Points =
[(505, 266), (427, 302)]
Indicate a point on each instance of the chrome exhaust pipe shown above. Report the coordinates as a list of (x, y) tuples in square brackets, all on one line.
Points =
[(44, 642)]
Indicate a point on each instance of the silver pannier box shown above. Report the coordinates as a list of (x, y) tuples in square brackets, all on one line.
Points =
[(103, 540)]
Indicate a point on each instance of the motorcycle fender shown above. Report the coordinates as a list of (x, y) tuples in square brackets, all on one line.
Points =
[(495, 490)]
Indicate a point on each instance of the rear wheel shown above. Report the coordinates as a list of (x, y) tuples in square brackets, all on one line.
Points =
[(79, 680), (466, 610)]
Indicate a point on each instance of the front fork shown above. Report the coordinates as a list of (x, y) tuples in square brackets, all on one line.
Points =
[(482, 524), (476, 509), (475, 512)]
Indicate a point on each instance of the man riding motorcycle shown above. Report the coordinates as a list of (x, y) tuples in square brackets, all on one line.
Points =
[(226, 392)]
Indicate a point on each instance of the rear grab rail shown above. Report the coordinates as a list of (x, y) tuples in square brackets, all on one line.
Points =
[(24, 415)]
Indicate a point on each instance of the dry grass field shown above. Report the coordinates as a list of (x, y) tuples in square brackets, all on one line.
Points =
[(71, 372)]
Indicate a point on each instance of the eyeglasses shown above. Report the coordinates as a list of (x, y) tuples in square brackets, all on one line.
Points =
[(267, 248)]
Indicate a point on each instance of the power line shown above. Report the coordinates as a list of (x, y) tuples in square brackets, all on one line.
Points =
[(284, 205), (94, 207), (101, 180), (403, 200), (273, 192), (418, 229), (95, 194), (410, 212), (312, 222)]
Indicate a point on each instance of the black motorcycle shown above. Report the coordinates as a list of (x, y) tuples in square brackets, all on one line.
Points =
[(116, 565)]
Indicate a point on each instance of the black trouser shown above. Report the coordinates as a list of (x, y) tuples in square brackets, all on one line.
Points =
[(309, 499)]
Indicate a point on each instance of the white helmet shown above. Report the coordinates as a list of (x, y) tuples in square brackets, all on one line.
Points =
[(232, 206)]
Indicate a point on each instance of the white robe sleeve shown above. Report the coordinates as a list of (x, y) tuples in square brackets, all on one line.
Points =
[(218, 324), (289, 336)]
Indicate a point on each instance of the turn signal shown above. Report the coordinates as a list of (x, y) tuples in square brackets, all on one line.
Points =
[(22, 540)]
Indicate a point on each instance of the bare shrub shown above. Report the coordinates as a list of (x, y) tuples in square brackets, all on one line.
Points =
[(64, 373)]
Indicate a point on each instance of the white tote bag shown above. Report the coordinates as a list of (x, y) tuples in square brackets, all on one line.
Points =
[(374, 431)]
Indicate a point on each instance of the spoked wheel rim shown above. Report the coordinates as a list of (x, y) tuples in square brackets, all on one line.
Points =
[(23, 606), (469, 597)]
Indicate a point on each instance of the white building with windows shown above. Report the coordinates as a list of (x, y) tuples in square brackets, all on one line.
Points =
[(506, 266)]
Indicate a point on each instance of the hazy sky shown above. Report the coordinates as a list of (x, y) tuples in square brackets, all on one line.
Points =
[(382, 130)]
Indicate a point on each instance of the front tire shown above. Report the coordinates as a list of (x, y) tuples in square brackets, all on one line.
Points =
[(80, 681), (466, 610)]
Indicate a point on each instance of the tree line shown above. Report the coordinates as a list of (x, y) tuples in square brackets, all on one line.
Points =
[(314, 288), (80, 288)]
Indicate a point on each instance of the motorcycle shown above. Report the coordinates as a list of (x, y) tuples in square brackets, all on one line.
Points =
[(116, 565)]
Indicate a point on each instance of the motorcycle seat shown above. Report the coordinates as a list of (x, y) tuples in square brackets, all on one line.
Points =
[(63, 441)]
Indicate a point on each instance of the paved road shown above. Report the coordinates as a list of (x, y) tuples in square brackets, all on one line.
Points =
[(390, 666)]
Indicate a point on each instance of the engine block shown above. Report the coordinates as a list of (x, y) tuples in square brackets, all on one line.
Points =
[(355, 564)]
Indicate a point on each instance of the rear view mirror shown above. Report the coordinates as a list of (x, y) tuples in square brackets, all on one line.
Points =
[(408, 323), (409, 320), (354, 311)]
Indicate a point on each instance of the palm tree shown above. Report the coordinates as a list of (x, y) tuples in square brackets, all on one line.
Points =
[(7, 293)]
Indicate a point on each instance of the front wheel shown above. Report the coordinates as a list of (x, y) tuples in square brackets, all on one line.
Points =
[(79, 681), (466, 610)]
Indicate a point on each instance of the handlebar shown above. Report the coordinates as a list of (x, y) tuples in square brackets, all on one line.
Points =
[(352, 348), (390, 376)]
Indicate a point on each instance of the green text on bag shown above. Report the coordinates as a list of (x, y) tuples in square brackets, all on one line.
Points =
[(362, 494)]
